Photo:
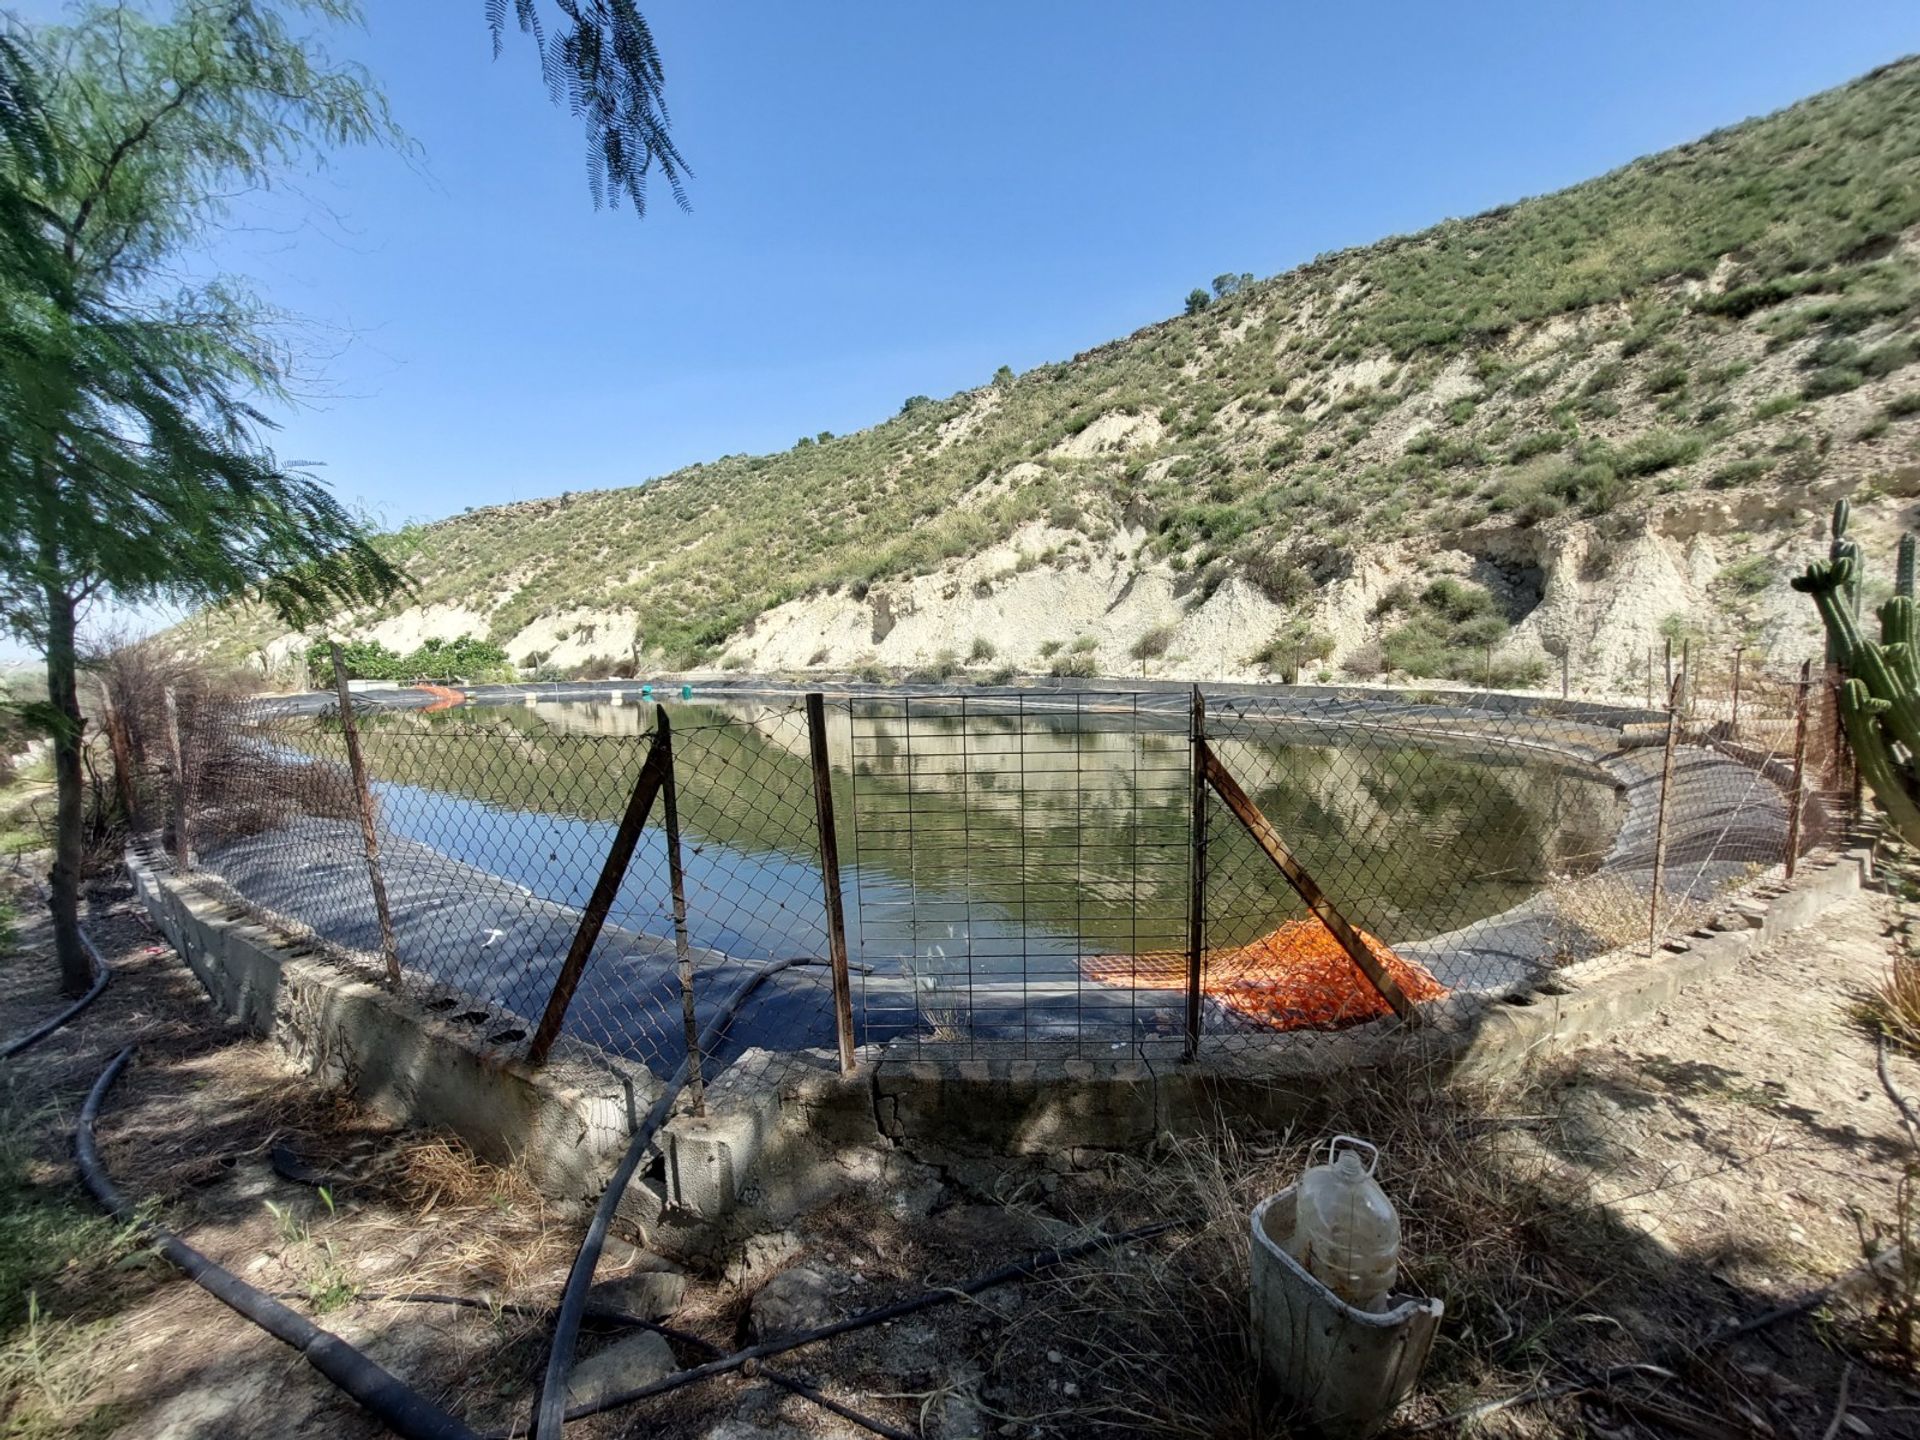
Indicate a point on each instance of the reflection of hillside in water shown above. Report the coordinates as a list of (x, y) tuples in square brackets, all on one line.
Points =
[(1073, 824)]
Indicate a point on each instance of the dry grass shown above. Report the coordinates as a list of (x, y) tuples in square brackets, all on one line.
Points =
[(1893, 1008), (1496, 1224), (485, 1227), (1602, 913)]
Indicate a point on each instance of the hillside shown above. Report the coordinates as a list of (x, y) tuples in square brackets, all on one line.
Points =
[(1575, 423)]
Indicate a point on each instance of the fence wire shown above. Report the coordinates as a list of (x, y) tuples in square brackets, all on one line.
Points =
[(1025, 872)]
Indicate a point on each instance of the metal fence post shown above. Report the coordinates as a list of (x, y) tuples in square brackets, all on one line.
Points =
[(1733, 725), (677, 883), (177, 787), (830, 877), (1797, 791), (369, 833), (122, 757), (1197, 871), (1660, 820), (1563, 672), (613, 870)]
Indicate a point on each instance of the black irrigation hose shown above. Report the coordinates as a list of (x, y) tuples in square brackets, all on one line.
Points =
[(609, 1316), (549, 1416), (927, 1300), (101, 975), (394, 1403)]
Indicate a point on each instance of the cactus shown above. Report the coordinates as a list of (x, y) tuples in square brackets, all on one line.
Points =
[(1880, 701)]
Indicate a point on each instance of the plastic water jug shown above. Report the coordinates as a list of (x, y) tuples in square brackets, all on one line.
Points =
[(1346, 1231)]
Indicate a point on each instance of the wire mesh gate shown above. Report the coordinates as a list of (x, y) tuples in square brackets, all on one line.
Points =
[(1024, 872)]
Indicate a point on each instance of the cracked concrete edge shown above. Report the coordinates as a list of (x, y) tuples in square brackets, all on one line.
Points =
[(1043, 1105), (1511, 1031), (424, 1072), (566, 1125)]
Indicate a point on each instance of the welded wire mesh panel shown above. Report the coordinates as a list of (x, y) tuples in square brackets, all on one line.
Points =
[(1432, 827), (493, 826), (1010, 852), (1019, 867)]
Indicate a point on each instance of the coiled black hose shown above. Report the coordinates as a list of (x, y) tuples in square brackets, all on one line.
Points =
[(390, 1400), (102, 973), (550, 1411)]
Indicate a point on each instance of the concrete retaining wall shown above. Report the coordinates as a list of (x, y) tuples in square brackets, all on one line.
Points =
[(568, 1125)]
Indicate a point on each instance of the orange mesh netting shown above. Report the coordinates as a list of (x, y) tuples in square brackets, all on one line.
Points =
[(1294, 978), (445, 697)]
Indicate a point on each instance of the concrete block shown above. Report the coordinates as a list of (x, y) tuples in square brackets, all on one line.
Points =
[(710, 1157)]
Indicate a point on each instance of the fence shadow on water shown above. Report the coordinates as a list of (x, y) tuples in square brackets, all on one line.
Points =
[(1023, 872)]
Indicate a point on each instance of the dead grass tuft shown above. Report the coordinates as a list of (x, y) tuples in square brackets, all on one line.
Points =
[(1893, 1008), (1496, 1224), (1603, 912), (473, 1225)]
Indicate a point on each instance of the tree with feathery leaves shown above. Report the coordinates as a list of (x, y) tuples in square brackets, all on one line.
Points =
[(133, 461)]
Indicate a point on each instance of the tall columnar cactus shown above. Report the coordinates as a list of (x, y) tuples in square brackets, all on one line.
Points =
[(1880, 700)]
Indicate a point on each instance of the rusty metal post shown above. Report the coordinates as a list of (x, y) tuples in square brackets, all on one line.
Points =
[(1685, 677), (830, 878), (613, 870), (1660, 819), (369, 833), (1733, 725), (177, 787), (122, 757), (677, 883), (1268, 839), (1197, 871), (1666, 674), (1797, 791)]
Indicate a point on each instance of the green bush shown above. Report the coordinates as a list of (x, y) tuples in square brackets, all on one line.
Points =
[(1901, 406), (1738, 472), (1655, 451), (983, 650), (1749, 576), (476, 661), (1538, 442)]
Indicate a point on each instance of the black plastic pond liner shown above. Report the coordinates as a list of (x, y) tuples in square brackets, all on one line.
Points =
[(390, 1400), (550, 1410), (101, 975)]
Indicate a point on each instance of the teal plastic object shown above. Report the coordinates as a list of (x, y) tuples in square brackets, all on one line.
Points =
[(646, 692), (686, 692)]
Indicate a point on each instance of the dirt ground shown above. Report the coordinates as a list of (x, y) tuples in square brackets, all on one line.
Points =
[(1741, 1146)]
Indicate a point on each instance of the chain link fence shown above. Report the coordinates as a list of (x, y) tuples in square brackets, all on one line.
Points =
[(1020, 872)]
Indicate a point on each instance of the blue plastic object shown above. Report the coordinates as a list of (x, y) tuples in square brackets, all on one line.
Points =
[(686, 692)]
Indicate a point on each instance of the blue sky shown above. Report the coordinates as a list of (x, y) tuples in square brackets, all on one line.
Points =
[(893, 199)]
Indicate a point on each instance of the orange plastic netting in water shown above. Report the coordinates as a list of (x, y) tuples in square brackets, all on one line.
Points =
[(445, 698), (1297, 977)]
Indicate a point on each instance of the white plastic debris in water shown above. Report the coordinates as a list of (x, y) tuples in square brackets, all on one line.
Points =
[(1345, 1230), (1340, 1369)]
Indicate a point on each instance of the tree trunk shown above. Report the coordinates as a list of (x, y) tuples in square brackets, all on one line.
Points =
[(63, 693)]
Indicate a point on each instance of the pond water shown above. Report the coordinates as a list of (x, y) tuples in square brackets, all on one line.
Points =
[(987, 855)]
